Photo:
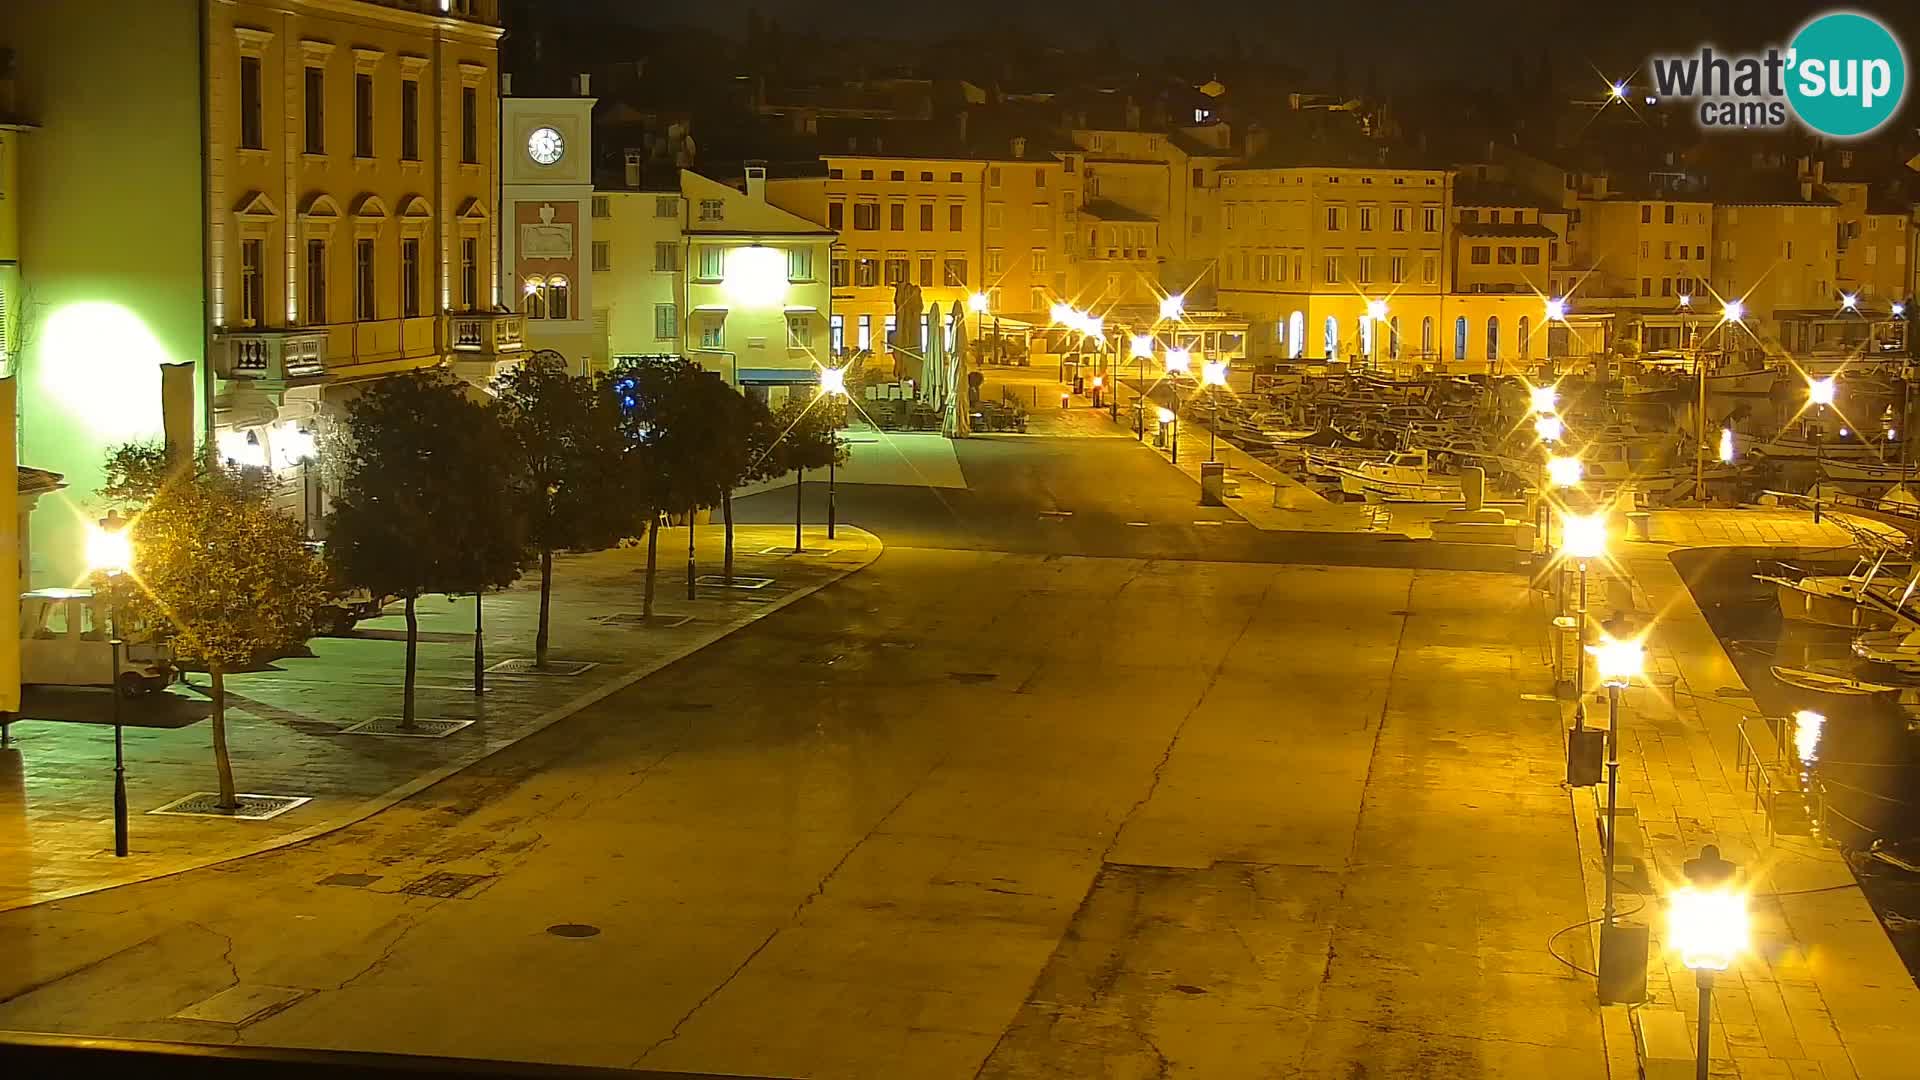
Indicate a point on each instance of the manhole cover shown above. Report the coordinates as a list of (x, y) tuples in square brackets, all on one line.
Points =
[(663, 620), (251, 808), (526, 666), (350, 881), (423, 728), (573, 930), (720, 581), (972, 677), (242, 1004), (444, 885)]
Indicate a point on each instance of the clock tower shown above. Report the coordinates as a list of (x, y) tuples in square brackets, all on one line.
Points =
[(546, 210)]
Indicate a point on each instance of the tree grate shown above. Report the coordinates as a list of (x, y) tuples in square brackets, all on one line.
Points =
[(719, 581), (350, 881), (804, 552), (444, 885), (526, 666), (252, 807), (634, 620), (423, 728)]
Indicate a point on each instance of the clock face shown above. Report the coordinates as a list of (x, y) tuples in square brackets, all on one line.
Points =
[(545, 145)]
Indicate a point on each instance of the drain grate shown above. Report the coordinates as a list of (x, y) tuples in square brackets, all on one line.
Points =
[(242, 1004), (252, 807), (350, 881), (423, 728), (972, 678), (573, 930), (739, 582), (662, 620), (444, 885), (525, 666)]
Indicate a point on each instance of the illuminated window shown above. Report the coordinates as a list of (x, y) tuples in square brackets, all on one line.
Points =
[(1331, 338), (864, 341), (1526, 336), (365, 308), (1460, 338), (956, 272), (842, 273), (866, 272), (536, 303), (252, 289), (1493, 337), (1426, 336), (713, 332), (895, 270)]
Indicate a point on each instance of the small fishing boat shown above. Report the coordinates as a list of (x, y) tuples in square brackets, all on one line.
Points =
[(1327, 461), (1836, 599), (1897, 649), (1873, 472), (1821, 682), (1403, 477)]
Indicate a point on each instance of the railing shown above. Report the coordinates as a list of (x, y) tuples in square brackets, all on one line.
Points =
[(30, 1054), (486, 332), (272, 353), (1769, 781)]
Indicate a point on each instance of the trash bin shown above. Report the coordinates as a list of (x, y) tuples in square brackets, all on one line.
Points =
[(1213, 483), (1640, 524)]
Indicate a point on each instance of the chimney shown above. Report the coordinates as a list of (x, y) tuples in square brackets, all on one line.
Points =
[(1019, 147), (757, 181), (506, 84), (963, 127), (634, 159), (1806, 189), (1819, 172), (583, 85), (1133, 115)]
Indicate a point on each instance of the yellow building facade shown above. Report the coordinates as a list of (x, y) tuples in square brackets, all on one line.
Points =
[(1872, 240), (1779, 258), (1643, 254)]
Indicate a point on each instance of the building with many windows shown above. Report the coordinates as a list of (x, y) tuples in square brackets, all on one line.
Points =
[(314, 209), (547, 246), (639, 254)]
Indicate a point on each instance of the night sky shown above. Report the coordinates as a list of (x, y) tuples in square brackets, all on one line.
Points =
[(1410, 41)]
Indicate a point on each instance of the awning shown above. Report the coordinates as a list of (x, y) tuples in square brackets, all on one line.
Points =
[(709, 307)]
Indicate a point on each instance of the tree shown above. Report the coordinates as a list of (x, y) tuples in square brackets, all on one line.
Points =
[(216, 569), (660, 406), (805, 436), (567, 447), (747, 460), (424, 505)]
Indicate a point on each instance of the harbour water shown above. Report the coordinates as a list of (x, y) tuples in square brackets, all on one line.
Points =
[(1868, 752)]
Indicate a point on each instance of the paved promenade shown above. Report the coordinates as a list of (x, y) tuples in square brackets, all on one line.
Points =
[(286, 725)]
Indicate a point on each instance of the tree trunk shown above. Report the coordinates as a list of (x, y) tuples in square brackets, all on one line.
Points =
[(406, 691), (546, 606), (691, 573), (653, 548), (479, 646), (726, 509), (799, 501), (221, 762)]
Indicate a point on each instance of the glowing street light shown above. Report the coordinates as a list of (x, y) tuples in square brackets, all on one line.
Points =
[(1377, 310), (1707, 924), (1557, 308), (1061, 314), (1899, 310), (1544, 399), (1169, 430), (1213, 375), (1618, 663), (833, 384), (1726, 446), (1583, 536), (1820, 391), (1564, 472), (977, 303), (1686, 300), (1849, 301), (1179, 361), (1733, 310), (1549, 428), (1820, 395), (1141, 347), (1173, 307), (110, 551), (1617, 91)]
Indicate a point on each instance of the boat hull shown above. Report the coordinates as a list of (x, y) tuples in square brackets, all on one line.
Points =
[(1820, 609)]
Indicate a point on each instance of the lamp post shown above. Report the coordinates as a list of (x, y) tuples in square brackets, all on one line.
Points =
[(1619, 663), (1214, 374), (1139, 350), (1179, 362), (1819, 395), (1170, 423), (833, 385), (1377, 316), (1583, 538), (110, 551), (1562, 472), (1707, 921)]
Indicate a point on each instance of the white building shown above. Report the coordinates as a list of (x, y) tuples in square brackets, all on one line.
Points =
[(638, 255)]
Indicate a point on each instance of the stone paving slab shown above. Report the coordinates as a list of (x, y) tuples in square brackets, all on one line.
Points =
[(286, 724), (1822, 993)]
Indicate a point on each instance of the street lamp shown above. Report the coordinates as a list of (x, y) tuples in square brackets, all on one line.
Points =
[(1583, 537), (110, 551), (1564, 472), (1377, 314), (1213, 374), (833, 384), (1544, 400), (1170, 423), (1819, 395), (1618, 663), (1733, 310), (1172, 307), (1707, 923), (1549, 428), (1178, 362), (1557, 309), (1849, 301)]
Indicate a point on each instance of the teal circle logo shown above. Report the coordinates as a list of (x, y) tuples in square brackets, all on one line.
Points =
[(1846, 74)]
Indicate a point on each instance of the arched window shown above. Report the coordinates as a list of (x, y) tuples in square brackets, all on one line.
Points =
[(1393, 338), (1426, 336), (1526, 337), (536, 298), (1460, 338), (1297, 333), (1493, 337), (558, 298), (1363, 333), (1332, 337)]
